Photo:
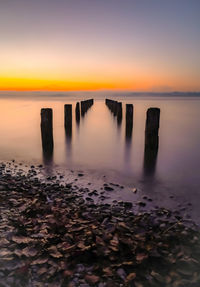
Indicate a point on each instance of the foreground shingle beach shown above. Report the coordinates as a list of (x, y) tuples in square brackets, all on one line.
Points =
[(51, 236)]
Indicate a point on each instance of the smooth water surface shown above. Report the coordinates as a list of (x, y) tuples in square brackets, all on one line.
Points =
[(98, 143)]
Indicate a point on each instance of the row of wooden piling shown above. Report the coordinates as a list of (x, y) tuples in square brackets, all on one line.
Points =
[(151, 130), (152, 122), (85, 105), (116, 108), (47, 122)]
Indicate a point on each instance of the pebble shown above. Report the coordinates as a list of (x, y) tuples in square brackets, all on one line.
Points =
[(121, 273), (108, 188), (128, 204), (141, 203)]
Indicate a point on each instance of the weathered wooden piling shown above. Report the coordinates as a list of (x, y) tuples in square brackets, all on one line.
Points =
[(77, 111), (82, 108), (152, 128), (115, 108), (47, 130), (129, 120), (119, 113), (68, 118)]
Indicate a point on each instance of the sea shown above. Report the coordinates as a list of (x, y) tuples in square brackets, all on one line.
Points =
[(98, 144)]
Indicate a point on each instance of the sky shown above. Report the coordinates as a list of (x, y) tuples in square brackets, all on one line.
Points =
[(64, 45)]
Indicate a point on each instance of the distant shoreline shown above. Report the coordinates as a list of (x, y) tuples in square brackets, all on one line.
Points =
[(98, 94)]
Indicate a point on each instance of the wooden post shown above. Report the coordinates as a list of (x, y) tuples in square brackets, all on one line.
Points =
[(115, 108), (129, 120), (152, 128), (82, 108), (119, 113), (68, 118), (77, 110), (47, 130), (151, 140)]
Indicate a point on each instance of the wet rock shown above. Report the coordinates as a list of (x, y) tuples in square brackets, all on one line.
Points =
[(108, 188), (89, 199), (128, 204), (141, 203), (121, 273), (92, 279)]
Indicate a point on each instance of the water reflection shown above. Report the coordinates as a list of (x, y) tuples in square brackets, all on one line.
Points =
[(47, 157), (150, 159), (129, 130), (68, 142), (128, 148), (128, 143)]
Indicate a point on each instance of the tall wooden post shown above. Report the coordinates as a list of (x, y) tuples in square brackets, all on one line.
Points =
[(77, 111), (68, 119), (129, 120), (47, 130), (152, 128), (119, 113), (82, 108), (151, 140), (115, 108)]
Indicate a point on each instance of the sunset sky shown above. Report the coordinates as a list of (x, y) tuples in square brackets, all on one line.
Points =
[(138, 45)]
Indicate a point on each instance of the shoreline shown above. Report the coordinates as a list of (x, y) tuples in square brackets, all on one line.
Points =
[(54, 235), (109, 187)]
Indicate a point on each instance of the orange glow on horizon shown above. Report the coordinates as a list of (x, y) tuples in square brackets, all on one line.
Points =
[(32, 84), (25, 84)]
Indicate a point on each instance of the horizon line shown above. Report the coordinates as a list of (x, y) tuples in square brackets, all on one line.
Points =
[(101, 90)]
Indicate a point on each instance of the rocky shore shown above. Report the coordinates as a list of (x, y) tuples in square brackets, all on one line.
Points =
[(51, 235)]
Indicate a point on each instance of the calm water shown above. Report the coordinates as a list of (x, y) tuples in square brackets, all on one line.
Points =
[(98, 144)]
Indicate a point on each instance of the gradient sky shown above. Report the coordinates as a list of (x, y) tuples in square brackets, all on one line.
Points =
[(141, 45)]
